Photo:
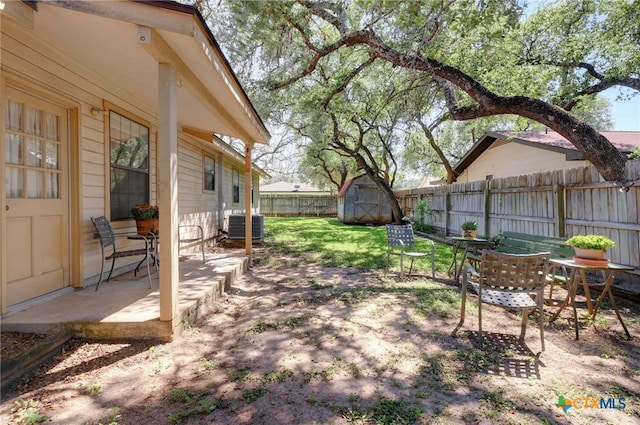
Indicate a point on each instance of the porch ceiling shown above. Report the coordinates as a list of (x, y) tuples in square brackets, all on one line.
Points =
[(104, 37)]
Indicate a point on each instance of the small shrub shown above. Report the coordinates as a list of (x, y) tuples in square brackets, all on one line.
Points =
[(252, 395), (27, 413)]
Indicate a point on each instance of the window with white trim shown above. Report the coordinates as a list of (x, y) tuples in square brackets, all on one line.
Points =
[(209, 173), (236, 186), (129, 170)]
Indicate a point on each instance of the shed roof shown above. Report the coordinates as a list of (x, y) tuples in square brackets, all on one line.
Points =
[(349, 182)]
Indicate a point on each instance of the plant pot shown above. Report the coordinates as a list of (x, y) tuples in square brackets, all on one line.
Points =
[(147, 225), (469, 234), (592, 254)]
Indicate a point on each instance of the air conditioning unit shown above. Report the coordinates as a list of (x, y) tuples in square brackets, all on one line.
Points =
[(236, 227)]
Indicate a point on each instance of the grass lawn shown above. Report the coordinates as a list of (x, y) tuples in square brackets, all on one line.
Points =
[(315, 333), (330, 243)]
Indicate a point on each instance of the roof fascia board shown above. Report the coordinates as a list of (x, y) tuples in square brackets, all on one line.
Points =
[(476, 150), (132, 12), (221, 146), (223, 68), (158, 48), (202, 33)]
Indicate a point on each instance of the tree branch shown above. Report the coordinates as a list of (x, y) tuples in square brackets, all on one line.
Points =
[(596, 148)]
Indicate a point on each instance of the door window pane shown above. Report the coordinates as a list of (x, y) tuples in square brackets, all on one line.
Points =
[(13, 115), (53, 185), (13, 148), (34, 121), (52, 156), (13, 185), (35, 184), (52, 127), (34, 153)]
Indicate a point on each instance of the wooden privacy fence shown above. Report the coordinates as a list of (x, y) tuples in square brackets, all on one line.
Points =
[(298, 205), (559, 203)]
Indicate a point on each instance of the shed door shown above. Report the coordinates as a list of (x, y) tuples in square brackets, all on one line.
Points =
[(37, 260), (367, 205)]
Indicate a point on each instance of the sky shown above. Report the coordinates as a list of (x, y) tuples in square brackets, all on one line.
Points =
[(625, 113)]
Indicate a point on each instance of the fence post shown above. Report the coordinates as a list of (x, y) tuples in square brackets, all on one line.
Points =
[(560, 211), (447, 206), (486, 207)]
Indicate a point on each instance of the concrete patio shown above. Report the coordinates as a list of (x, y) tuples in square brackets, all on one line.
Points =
[(125, 307)]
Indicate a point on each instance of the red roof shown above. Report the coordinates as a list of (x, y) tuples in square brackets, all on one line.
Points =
[(624, 141), (344, 188)]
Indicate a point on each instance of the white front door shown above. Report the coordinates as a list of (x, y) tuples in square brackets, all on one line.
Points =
[(36, 196)]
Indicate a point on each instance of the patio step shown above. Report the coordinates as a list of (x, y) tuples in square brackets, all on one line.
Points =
[(125, 307)]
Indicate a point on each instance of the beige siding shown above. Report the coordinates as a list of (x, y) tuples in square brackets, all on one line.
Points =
[(512, 159), (199, 206), (196, 205), (29, 64)]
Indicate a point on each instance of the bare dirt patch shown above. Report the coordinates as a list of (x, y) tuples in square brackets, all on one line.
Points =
[(295, 343)]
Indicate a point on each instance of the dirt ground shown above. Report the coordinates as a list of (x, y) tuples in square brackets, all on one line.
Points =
[(295, 343)]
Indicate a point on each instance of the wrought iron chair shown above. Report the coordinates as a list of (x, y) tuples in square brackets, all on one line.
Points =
[(108, 239), (191, 233), (400, 241), (510, 281)]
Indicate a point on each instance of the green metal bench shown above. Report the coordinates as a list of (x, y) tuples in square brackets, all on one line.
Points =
[(524, 243)]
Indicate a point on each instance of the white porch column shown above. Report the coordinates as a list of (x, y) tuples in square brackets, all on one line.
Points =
[(167, 172), (248, 233), (222, 202)]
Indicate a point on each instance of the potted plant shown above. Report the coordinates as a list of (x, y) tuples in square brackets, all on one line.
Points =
[(590, 246), (469, 229), (146, 217)]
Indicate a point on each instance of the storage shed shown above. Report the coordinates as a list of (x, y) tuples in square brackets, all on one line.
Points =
[(361, 201)]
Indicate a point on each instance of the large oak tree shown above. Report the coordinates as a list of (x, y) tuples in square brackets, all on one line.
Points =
[(483, 54)]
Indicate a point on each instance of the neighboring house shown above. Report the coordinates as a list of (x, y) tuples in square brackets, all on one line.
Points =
[(503, 154), (360, 201), (430, 181), (106, 105), (286, 188)]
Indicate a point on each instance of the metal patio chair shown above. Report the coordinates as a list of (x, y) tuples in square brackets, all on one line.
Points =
[(191, 233), (510, 281), (400, 241), (108, 239)]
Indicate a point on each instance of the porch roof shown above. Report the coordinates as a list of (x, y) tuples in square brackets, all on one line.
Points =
[(122, 43)]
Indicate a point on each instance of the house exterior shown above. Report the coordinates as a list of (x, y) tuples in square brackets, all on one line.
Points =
[(107, 105), (360, 201), (502, 154)]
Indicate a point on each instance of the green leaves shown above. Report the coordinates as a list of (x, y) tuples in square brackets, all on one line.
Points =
[(357, 75)]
